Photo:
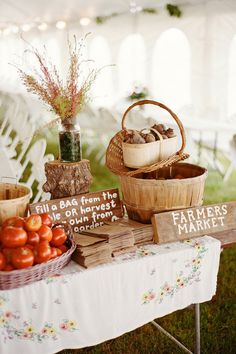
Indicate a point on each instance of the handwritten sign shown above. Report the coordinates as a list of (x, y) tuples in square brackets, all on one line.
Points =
[(84, 211), (188, 223)]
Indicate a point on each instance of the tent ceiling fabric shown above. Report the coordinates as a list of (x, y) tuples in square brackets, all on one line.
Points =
[(25, 11)]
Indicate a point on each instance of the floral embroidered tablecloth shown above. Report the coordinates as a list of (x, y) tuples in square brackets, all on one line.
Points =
[(79, 308)]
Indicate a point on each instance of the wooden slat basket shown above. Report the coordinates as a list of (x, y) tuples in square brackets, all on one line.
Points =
[(14, 199), (144, 157), (158, 191)]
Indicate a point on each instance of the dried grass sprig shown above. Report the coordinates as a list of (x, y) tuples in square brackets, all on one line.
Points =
[(66, 100)]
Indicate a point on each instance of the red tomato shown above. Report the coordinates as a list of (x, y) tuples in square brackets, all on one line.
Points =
[(33, 238), (58, 236), (31, 247), (59, 252), (53, 252), (42, 252), (7, 253), (13, 237), (22, 257), (33, 222), (15, 221), (45, 233), (8, 268), (63, 248), (3, 261), (46, 219)]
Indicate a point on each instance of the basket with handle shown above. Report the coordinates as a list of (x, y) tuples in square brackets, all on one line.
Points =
[(17, 278), (159, 154)]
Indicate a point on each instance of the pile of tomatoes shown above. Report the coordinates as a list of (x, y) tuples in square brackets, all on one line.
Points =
[(25, 242)]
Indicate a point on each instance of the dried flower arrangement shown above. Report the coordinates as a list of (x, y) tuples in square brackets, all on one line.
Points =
[(64, 99)]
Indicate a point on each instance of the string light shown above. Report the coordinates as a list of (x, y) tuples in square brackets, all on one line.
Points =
[(15, 29), (42, 26), (85, 21), (133, 7), (60, 24), (26, 27), (6, 31)]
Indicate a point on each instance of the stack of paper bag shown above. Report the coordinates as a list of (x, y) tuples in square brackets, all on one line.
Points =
[(120, 238), (91, 251), (143, 233)]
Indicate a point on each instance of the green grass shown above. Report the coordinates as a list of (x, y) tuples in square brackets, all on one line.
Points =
[(218, 334), (218, 191)]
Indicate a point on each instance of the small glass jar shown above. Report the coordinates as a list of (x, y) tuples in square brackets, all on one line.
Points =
[(69, 141)]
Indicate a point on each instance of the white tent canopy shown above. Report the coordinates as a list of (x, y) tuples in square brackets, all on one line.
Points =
[(187, 62), (26, 11)]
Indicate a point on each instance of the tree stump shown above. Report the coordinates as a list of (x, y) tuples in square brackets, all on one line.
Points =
[(65, 179)]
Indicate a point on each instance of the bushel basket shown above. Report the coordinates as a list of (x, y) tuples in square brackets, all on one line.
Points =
[(14, 199), (18, 278), (125, 159), (176, 187)]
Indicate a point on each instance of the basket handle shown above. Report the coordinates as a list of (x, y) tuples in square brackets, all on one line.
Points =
[(157, 133), (174, 116)]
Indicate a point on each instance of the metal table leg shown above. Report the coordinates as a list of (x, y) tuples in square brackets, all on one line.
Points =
[(161, 329), (197, 345), (197, 349)]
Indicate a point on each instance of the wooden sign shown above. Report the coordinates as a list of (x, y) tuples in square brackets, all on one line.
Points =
[(188, 223), (84, 211)]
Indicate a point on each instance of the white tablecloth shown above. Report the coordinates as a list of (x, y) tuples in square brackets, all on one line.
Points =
[(79, 308)]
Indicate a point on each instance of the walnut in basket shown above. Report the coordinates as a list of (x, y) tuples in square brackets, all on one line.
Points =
[(150, 138), (134, 137), (149, 135), (159, 127)]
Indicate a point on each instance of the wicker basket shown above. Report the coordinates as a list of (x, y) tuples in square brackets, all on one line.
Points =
[(18, 278), (115, 154), (145, 197), (14, 199)]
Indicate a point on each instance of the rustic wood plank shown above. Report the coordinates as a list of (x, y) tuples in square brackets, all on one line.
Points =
[(84, 211), (227, 238), (193, 222)]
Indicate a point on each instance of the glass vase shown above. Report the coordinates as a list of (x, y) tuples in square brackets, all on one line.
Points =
[(70, 141)]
